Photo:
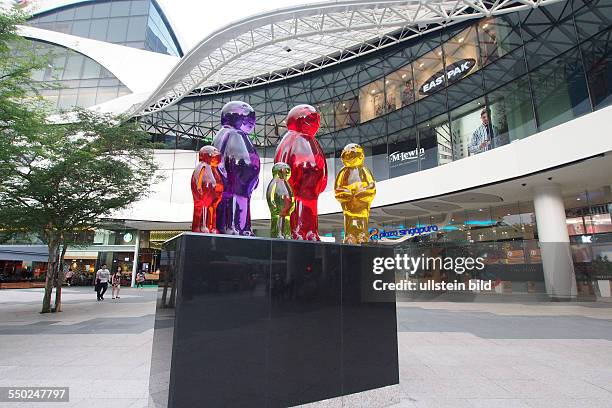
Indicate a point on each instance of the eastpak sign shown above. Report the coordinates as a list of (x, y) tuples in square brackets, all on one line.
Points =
[(453, 72)]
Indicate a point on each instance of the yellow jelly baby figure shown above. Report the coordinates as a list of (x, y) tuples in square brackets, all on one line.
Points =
[(355, 189)]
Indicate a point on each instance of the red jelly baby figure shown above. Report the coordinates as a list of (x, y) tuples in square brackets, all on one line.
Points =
[(301, 151), (207, 190)]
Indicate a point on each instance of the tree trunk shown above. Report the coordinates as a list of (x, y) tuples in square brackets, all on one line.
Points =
[(53, 245), (60, 279)]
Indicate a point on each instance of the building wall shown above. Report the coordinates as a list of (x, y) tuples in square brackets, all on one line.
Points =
[(533, 72)]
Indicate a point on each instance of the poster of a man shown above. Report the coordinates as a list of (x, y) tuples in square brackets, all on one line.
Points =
[(484, 135)]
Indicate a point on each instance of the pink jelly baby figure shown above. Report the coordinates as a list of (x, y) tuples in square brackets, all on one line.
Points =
[(301, 151), (207, 190), (239, 168)]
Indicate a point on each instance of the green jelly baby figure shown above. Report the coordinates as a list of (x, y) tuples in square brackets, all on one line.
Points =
[(281, 201)]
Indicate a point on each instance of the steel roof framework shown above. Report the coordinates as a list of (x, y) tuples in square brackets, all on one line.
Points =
[(292, 42)]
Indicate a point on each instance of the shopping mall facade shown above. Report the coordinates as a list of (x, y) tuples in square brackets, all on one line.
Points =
[(486, 127)]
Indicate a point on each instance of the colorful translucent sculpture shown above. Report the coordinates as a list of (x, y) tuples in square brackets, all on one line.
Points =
[(207, 190), (280, 201), (301, 151), (239, 168), (355, 189)]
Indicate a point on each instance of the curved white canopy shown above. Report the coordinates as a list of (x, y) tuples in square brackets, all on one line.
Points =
[(289, 42)]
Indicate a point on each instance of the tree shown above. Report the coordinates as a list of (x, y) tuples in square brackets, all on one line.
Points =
[(60, 178), (69, 177)]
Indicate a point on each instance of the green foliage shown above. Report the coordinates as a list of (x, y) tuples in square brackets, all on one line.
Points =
[(60, 177), (69, 176)]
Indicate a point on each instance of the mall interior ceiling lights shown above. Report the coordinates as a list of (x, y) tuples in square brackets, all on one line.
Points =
[(252, 51)]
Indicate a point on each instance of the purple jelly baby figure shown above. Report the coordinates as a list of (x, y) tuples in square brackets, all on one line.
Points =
[(239, 168)]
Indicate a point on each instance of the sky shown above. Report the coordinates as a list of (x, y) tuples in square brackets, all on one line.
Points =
[(194, 19)]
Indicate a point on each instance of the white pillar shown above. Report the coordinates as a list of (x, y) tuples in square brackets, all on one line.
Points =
[(135, 263), (557, 262)]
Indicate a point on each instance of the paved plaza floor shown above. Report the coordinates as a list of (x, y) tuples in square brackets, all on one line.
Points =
[(451, 354)]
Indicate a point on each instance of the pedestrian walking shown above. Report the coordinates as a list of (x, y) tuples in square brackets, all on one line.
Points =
[(116, 282), (140, 278), (102, 277), (69, 276)]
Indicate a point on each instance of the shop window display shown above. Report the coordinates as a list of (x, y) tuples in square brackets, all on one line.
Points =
[(478, 127), (461, 55), (399, 87), (372, 102), (429, 73), (497, 37), (512, 112), (346, 113)]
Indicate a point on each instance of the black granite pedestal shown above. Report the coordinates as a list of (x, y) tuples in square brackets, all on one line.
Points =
[(257, 322)]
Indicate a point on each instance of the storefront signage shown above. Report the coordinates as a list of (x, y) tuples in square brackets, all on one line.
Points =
[(453, 72), (376, 234), (398, 158)]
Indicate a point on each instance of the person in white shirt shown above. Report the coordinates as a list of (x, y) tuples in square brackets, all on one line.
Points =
[(102, 277), (483, 136)]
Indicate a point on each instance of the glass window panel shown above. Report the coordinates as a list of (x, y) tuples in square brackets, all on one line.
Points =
[(512, 112), (376, 157), (471, 130), (109, 82), (399, 87), (137, 29), (550, 44), (63, 27), (560, 91), (326, 109), (372, 100), (123, 90), (117, 29), (56, 68), (429, 73), (101, 10), (435, 142), (67, 98), (81, 28), (44, 26), (497, 37), (598, 61), (504, 69), (98, 30), (404, 153), (86, 97), (592, 16), (65, 14), (83, 12), (106, 94), (120, 9), (51, 96), (538, 20), (347, 112), (73, 66), (461, 55), (48, 18), (140, 7), (91, 69)]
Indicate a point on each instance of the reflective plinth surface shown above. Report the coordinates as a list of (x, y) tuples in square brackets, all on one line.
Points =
[(270, 323)]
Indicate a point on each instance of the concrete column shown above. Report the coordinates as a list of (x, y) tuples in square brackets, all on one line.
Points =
[(557, 262), (135, 263)]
